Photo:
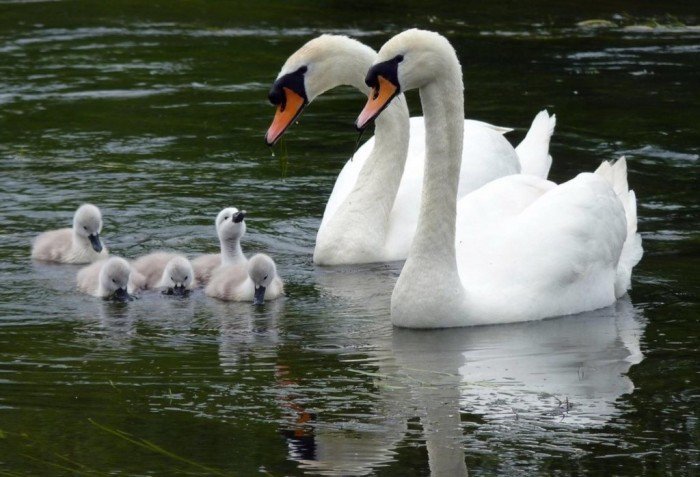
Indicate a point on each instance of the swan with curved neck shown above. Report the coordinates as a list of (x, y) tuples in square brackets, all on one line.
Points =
[(230, 228), (519, 248), (372, 213)]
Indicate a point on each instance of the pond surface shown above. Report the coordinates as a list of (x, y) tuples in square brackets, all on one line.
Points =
[(156, 111)]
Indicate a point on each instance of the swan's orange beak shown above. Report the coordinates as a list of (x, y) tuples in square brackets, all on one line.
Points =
[(379, 98), (286, 113)]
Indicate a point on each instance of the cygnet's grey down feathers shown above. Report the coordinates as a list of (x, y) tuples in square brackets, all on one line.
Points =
[(240, 282), (105, 277), (79, 244), (158, 270)]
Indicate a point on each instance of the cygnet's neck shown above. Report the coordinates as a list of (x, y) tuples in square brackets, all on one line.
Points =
[(231, 252)]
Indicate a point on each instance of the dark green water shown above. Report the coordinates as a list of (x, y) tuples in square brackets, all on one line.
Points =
[(156, 111)]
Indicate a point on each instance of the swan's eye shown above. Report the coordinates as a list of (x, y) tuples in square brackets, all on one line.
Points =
[(172, 278), (265, 278), (185, 277), (399, 58), (114, 280), (226, 217), (84, 227)]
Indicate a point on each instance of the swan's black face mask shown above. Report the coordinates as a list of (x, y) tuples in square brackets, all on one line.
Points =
[(383, 78), (289, 95)]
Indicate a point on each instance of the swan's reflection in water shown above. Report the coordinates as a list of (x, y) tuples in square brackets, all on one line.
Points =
[(541, 384), (245, 329)]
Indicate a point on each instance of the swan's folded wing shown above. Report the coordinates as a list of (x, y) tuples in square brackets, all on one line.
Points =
[(555, 256)]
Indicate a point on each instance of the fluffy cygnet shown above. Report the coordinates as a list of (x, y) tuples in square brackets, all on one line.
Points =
[(178, 277), (107, 278), (230, 228), (151, 270), (80, 244), (254, 281)]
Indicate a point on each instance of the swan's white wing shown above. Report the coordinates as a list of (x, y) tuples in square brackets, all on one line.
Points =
[(527, 249), (533, 151), (477, 123)]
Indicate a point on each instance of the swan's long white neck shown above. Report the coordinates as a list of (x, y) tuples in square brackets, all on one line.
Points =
[(443, 106), (358, 228), (429, 284)]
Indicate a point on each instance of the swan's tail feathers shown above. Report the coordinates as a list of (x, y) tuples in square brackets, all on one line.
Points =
[(533, 151), (632, 251)]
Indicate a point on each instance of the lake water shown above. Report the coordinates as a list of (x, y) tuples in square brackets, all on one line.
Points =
[(156, 111)]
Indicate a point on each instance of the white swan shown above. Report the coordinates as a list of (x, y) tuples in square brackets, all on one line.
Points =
[(168, 271), (372, 213), (230, 228), (254, 281), (80, 244), (519, 248), (108, 278)]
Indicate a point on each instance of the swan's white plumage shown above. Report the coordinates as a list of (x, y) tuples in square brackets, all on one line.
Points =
[(238, 282), (230, 234), (72, 245), (372, 216), (533, 151), (518, 248), (103, 277)]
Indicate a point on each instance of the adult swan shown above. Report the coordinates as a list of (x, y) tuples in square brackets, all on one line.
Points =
[(519, 248), (372, 213)]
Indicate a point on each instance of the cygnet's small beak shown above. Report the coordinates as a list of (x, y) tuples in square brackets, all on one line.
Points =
[(239, 217), (122, 295), (95, 241), (180, 290), (259, 297)]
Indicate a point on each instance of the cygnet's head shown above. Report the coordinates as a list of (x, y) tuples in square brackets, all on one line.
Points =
[(262, 270), (87, 223), (114, 278), (321, 64), (410, 60), (230, 224), (178, 276)]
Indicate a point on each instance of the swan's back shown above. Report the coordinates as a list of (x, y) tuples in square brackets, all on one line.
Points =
[(205, 265), (53, 246), (88, 278), (555, 255), (230, 283), (151, 267)]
